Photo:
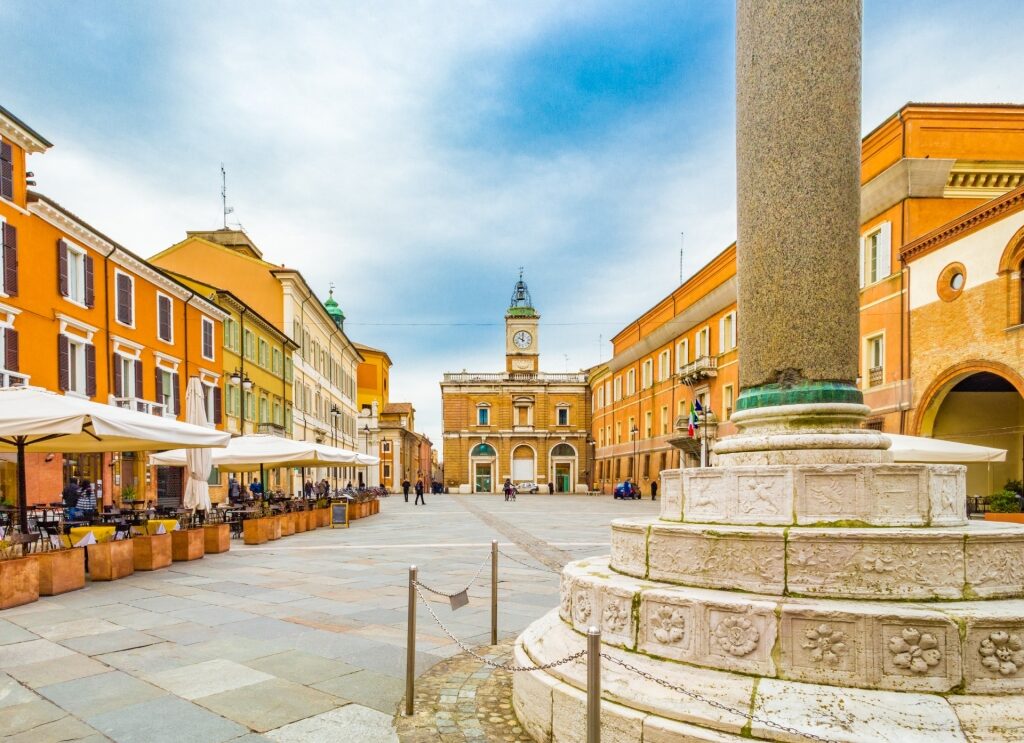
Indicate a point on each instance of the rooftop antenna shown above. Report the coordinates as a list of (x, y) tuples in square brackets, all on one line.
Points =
[(682, 239), (224, 195)]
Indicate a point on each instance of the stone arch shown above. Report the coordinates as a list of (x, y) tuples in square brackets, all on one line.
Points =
[(523, 463), (1013, 253), (931, 400), (563, 450), (483, 450)]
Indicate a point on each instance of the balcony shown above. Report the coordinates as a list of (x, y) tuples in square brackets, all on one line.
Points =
[(528, 377), (876, 376), (140, 406), (273, 429), (705, 367), (12, 379)]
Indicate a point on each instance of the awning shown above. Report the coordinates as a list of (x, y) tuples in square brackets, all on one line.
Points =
[(249, 453), (923, 449)]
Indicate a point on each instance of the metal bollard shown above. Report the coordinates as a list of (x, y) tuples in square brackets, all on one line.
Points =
[(410, 645), (494, 591), (593, 685)]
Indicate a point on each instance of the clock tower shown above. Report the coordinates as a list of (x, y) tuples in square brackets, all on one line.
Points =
[(522, 353)]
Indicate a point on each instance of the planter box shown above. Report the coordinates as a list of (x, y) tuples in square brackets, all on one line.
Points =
[(301, 521), (61, 571), (216, 538), (1013, 518), (325, 516), (19, 581), (275, 528), (255, 531), (152, 552), (111, 560), (287, 524), (187, 544), (375, 506)]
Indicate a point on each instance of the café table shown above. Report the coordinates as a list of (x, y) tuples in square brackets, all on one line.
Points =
[(153, 525), (101, 532)]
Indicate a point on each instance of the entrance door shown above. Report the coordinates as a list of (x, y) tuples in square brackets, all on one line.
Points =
[(483, 477), (563, 474)]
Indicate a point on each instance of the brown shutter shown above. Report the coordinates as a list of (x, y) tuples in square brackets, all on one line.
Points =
[(62, 362), (138, 379), (216, 405), (11, 350), (10, 241), (177, 394), (62, 268), (163, 311), (90, 295), (90, 371), (118, 383), (124, 299), (6, 171), (159, 386)]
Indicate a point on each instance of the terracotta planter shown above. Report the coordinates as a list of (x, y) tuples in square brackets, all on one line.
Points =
[(375, 505), (313, 520), (287, 524), (325, 516), (152, 552), (61, 571), (1013, 518), (276, 534), (301, 521), (111, 560), (187, 544), (255, 531), (19, 581), (216, 538)]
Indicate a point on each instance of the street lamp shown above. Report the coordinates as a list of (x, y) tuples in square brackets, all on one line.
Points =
[(335, 412), (634, 431), (366, 451)]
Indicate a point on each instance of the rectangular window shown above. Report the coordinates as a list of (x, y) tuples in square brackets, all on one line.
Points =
[(682, 353), (876, 360), (264, 354), (563, 416), (633, 430), (249, 342), (278, 419), (385, 447), (264, 410), (76, 367), (275, 365), (164, 319), (876, 254), (9, 269), (229, 328), (648, 424), (125, 298), (288, 369), (663, 366), (618, 433), (664, 420), (727, 333), (249, 404), (727, 400), (483, 416), (207, 338), (618, 389), (167, 390), (648, 374), (6, 171), (630, 382), (703, 343), (75, 266), (128, 378), (387, 470)]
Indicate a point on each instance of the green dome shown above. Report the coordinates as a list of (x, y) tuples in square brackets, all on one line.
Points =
[(334, 310)]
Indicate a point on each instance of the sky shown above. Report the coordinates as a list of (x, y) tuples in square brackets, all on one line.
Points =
[(417, 154)]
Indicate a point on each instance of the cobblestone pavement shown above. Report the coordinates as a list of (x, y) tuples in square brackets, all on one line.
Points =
[(302, 639)]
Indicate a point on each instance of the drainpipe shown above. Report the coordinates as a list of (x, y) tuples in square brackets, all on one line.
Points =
[(241, 360)]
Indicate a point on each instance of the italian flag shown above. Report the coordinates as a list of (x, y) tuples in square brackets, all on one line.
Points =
[(693, 423)]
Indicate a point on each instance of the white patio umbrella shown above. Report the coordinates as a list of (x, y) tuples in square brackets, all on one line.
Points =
[(924, 449), (197, 461), (36, 420), (250, 453)]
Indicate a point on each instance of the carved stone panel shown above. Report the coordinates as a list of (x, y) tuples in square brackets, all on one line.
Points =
[(916, 656), (629, 548), (947, 490), (740, 640), (668, 627), (898, 495), (616, 618), (565, 597), (892, 564), (671, 494), (823, 647), (995, 564), (708, 495), (764, 495), (586, 609), (750, 559), (994, 657), (827, 493)]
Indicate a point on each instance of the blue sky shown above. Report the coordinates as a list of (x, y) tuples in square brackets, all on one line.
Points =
[(416, 154)]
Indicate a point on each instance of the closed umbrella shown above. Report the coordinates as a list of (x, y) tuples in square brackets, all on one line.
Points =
[(35, 420), (197, 461), (924, 449)]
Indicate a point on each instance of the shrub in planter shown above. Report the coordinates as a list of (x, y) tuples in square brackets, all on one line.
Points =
[(1003, 502)]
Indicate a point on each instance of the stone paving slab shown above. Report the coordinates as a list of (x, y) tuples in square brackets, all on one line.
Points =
[(270, 704), (369, 688), (302, 668), (203, 679), (105, 692), (167, 719), (352, 722)]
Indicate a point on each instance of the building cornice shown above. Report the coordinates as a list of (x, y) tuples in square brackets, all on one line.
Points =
[(17, 131), (965, 224)]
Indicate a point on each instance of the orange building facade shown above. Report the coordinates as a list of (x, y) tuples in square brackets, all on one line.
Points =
[(925, 166), (84, 316)]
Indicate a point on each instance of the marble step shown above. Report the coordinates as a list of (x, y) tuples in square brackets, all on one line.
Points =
[(551, 704), (925, 647), (977, 560), (818, 494)]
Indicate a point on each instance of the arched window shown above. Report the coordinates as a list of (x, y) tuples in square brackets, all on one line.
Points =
[(563, 450), (1020, 287), (482, 450)]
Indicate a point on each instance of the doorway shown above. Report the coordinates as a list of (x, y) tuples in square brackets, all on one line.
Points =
[(483, 477), (563, 477)]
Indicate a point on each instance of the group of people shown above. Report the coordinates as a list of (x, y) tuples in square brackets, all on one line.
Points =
[(237, 494), (321, 489), (79, 497), (419, 492)]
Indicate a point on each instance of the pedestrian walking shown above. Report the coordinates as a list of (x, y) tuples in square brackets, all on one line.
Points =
[(507, 487), (551, 488), (307, 489), (405, 489), (234, 490), (419, 493), (654, 490)]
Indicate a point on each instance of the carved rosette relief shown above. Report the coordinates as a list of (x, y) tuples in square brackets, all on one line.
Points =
[(915, 651), (581, 606), (736, 635), (1002, 653), (667, 624), (615, 616), (826, 646)]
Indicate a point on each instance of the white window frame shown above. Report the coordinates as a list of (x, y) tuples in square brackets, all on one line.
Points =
[(648, 424), (869, 342), (483, 415), (881, 235), (630, 382), (703, 342), (204, 323), (682, 353), (76, 365), (167, 383), (647, 374), (617, 387), (128, 375), (728, 400), (560, 411), (664, 365), (727, 332), (666, 424), (76, 289), (170, 302), (131, 280)]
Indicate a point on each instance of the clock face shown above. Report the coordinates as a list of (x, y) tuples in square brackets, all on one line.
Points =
[(522, 339)]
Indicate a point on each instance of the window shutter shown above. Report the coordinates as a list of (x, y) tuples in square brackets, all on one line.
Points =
[(90, 371), (164, 318), (177, 396), (732, 340), (90, 294), (124, 299), (62, 268), (118, 383), (885, 250), (862, 263), (6, 171), (10, 245), (62, 363), (138, 380), (216, 406), (11, 349), (159, 386), (721, 335)]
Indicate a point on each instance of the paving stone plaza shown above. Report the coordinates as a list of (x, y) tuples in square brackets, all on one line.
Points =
[(300, 640)]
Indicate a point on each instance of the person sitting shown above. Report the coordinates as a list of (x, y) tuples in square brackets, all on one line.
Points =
[(256, 488), (86, 497)]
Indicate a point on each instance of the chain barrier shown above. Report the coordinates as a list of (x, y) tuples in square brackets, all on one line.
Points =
[(487, 661), (464, 590), (531, 567), (717, 705)]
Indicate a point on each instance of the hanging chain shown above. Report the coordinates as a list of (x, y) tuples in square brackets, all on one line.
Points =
[(456, 593), (531, 567), (713, 703)]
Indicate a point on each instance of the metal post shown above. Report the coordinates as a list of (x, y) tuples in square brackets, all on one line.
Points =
[(494, 591), (593, 685), (410, 645)]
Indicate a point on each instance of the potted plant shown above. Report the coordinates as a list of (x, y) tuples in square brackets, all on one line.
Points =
[(19, 573), (128, 494), (1004, 506)]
